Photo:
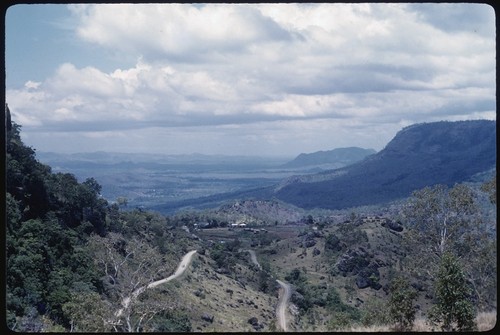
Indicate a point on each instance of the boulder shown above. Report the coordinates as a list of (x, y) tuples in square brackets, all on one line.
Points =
[(353, 261), (393, 225), (207, 317)]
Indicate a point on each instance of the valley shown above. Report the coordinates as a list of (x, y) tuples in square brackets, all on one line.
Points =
[(222, 244), (169, 183)]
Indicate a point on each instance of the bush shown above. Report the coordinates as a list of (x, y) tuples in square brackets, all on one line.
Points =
[(375, 313), (172, 321), (401, 304), (339, 321), (454, 310)]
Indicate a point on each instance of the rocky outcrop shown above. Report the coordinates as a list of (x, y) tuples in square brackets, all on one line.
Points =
[(358, 262), (207, 317), (393, 225), (308, 239), (255, 323), (352, 261)]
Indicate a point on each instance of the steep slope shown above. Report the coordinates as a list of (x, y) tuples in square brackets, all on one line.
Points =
[(418, 156), (338, 157)]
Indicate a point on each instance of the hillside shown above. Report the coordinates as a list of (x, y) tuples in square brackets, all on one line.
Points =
[(418, 156), (336, 158), (76, 263)]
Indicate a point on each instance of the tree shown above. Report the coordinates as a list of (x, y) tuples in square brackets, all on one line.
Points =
[(401, 304), (128, 266), (437, 217), (454, 310), (87, 312), (45, 255), (122, 201), (490, 187), (441, 214), (441, 220)]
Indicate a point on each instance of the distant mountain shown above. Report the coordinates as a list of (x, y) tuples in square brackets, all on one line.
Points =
[(339, 157), (419, 155), (102, 157)]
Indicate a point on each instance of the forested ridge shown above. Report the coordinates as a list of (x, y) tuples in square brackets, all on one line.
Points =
[(419, 155), (56, 230)]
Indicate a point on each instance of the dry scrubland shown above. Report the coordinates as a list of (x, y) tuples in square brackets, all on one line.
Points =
[(287, 254), (486, 321), (218, 303)]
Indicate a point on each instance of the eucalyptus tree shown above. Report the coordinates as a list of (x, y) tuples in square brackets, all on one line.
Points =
[(442, 220)]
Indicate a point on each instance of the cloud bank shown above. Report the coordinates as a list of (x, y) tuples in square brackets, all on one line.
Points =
[(253, 78)]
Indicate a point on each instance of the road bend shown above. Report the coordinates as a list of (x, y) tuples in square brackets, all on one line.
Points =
[(183, 265), (253, 257)]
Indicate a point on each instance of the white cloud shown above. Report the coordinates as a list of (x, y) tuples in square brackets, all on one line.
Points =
[(271, 70), (31, 85), (174, 29)]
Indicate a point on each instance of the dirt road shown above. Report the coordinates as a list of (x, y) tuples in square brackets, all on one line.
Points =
[(253, 257), (180, 269), (281, 311), (183, 265)]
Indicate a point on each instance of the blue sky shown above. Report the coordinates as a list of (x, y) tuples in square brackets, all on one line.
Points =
[(257, 79)]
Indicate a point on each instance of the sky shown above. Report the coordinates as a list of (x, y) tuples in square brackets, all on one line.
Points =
[(243, 79)]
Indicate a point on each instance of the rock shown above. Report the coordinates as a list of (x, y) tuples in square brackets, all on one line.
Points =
[(371, 275), (199, 293), (380, 263), (207, 317), (418, 286), (352, 261), (316, 252), (362, 282), (253, 321), (393, 225), (333, 243), (309, 243)]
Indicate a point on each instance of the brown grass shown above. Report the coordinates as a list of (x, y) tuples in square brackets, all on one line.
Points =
[(485, 321)]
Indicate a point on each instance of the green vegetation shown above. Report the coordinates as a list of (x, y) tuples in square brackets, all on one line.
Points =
[(447, 220), (49, 218), (73, 259), (454, 309), (375, 313), (402, 304), (307, 296)]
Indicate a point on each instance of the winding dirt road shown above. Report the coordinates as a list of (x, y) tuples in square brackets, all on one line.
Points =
[(183, 265), (180, 269), (253, 257), (281, 311)]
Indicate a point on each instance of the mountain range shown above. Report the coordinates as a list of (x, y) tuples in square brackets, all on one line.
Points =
[(336, 158), (419, 155)]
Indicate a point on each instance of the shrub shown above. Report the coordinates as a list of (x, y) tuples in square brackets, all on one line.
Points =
[(454, 310), (375, 313), (401, 304)]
